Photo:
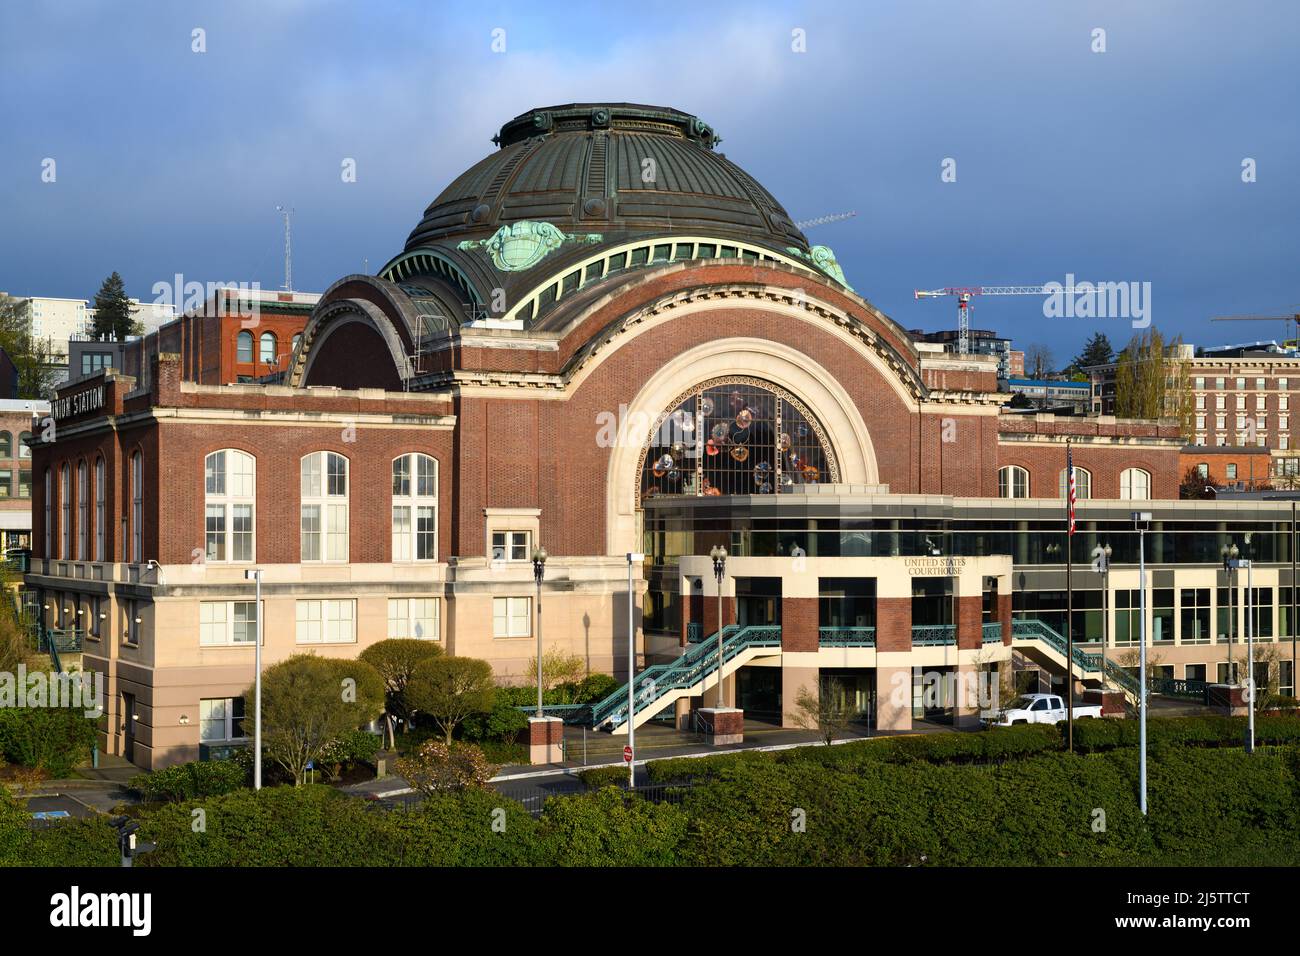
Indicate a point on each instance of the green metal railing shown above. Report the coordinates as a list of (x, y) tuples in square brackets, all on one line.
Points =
[(1176, 687), (694, 632), (652, 685), (1034, 629), (993, 632), (928, 635), (846, 636)]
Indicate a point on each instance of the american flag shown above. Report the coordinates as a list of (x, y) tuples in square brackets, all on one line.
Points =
[(1069, 470)]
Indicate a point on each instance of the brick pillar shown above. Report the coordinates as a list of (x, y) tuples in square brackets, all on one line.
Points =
[(711, 612), (970, 623), (799, 621), (894, 624), (545, 735), (1004, 615)]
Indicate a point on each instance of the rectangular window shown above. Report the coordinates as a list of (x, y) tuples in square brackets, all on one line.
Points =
[(1260, 384), (221, 718), (326, 622), (215, 532), (1228, 672), (510, 545), (1219, 402), (1241, 384), (425, 534), (241, 532), (1195, 618), (1200, 402), (226, 623), (66, 489), (511, 616), (1283, 403), (1218, 383), (1261, 402), (24, 484), (99, 510), (6, 484), (311, 532), (401, 533), (1286, 678), (137, 508), (413, 618), (1200, 381)]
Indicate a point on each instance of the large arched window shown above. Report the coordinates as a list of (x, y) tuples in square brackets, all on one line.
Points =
[(83, 511), (24, 449), (137, 508), (736, 436), (99, 509), (1082, 482), (1134, 484), (65, 496), (1013, 482), (6, 445), (324, 489), (229, 496), (266, 348), (244, 347), (415, 508)]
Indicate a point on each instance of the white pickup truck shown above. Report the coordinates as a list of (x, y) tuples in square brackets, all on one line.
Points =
[(1040, 709)]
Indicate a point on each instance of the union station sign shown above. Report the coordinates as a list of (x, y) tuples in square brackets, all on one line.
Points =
[(91, 400)]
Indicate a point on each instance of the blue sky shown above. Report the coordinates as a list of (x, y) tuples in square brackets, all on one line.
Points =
[(1115, 166)]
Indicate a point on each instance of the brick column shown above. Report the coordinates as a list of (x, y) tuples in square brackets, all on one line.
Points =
[(799, 622), (893, 624), (545, 735), (1004, 615), (711, 612), (970, 622)]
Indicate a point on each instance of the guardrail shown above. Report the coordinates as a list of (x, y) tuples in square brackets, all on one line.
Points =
[(992, 632), (1178, 687), (694, 632), (929, 635), (846, 636)]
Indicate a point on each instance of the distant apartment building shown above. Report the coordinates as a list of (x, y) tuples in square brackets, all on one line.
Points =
[(18, 419), (1240, 398), (982, 342), (1048, 393), (55, 320)]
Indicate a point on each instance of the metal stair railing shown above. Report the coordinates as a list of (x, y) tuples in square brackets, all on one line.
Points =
[(1035, 629), (685, 672)]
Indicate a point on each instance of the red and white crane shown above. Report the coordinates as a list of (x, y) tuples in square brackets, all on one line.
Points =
[(964, 293)]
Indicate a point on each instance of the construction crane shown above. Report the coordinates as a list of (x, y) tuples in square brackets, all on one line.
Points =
[(822, 220), (964, 293), (1292, 320)]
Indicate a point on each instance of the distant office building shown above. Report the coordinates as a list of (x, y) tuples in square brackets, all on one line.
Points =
[(1016, 360), (55, 320), (982, 342), (18, 419), (1046, 393)]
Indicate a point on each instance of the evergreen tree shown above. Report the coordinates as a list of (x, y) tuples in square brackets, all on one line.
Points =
[(1096, 351), (113, 317)]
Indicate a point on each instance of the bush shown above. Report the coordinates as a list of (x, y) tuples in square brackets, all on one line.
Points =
[(598, 777), (594, 688), (189, 781), (437, 767), (53, 739), (75, 842), (352, 748), (609, 828), (504, 722)]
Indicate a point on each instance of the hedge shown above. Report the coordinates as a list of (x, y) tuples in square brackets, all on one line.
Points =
[(1203, 731), (189, 781), (1208, 806), (53, 739)]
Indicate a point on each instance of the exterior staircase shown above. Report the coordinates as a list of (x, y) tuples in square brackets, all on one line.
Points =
[(1041, 642)]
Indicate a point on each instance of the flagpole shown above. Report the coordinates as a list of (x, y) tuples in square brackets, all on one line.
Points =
[(1069, 599)]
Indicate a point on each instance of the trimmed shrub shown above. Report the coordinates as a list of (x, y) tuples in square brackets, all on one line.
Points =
[(189, 781), (504, 722), (438, 768), (599, 777), (352, 748), (608, 828), (53, 739)]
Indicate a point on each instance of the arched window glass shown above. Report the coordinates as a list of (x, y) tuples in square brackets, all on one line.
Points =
[(324, 507), (415, 508), (83, 512), (296, 339), (65, 494), (1013, 482), (1082, 483), (266, 352), (6, 445), (137, 508), (229, 499), (736, 436), (99, 509), (1134, 484), (244, 347)]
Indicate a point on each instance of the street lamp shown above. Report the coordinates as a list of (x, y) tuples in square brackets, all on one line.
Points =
[(255, 574), (1103, 566), (719, 556), (1140, 521), (539, 569), (633, 557)]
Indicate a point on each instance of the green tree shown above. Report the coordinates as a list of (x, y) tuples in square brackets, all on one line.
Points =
[(395, 660), (309, 702), (35, 359), (113, 317), (1096, 351), (1151, 380), (558, 668), (436, 767), (449, 689)]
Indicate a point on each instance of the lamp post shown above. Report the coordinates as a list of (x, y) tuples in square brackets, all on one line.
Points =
[(255, 574), (633, 557), (1103, 565), (1234, 563), (539, 569), (1140, 521), (719, 556)]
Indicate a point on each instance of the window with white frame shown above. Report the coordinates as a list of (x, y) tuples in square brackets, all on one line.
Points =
[(1261, 402), (512, 616), (1082, 482), (413, 618), (1200, 402), (326, 622), (99, 509), (1134, 484), (221, 718), (1013, 482), (227, 623), (229, 499), (1283, 403), (415, 508), (137, 508), (65, 489), (83, 511), (511, 545), (324, 486)]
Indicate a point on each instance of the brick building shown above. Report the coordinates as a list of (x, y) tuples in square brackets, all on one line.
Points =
[(571, 356)]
